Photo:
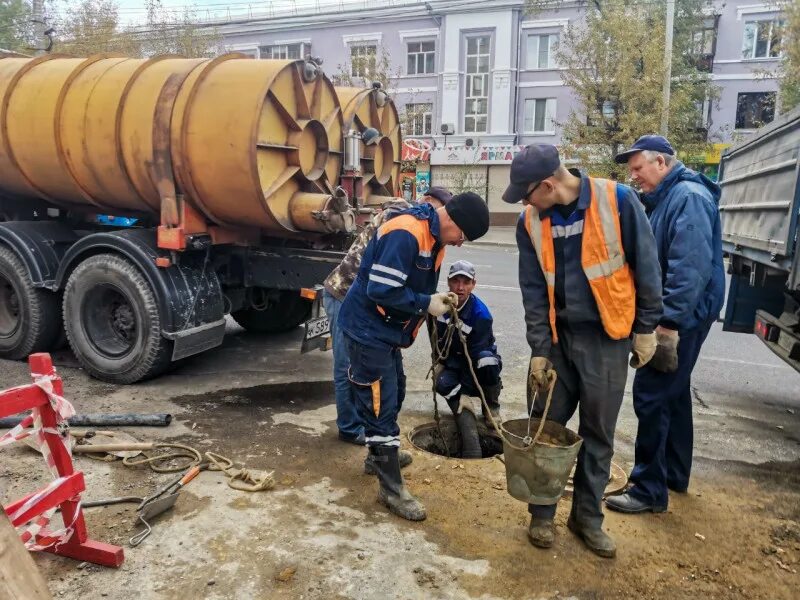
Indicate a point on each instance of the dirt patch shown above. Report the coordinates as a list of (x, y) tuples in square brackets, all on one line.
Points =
[(323, 525)]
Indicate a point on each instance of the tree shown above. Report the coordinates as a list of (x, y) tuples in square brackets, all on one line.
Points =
[(90, 27), (15, 25), (93, 26), (789, 69), (614, 63), (168, 32)]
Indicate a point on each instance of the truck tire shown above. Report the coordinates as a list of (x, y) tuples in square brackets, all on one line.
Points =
[(29, 316), (281, 310), (112, 321)]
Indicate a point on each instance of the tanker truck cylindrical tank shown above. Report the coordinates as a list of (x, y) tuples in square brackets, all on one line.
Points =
[(240, 137), (380, 162)]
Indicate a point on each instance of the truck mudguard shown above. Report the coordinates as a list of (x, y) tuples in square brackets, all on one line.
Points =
[(40, 245), (189, 293)]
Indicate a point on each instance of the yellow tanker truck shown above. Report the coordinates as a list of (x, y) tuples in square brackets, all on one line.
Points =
[(142, 200)]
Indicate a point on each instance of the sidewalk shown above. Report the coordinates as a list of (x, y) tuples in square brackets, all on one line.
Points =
[(497, 236)]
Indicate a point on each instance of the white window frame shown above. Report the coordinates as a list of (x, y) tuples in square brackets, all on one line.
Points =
[(423, 119), (530, 114), (353, 49), (423, 54), (533, 46), (283, 50), (757, 23), (469, 78)]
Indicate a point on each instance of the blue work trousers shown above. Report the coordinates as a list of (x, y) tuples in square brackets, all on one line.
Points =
[(663, 405), (346, 415), (378, 385)]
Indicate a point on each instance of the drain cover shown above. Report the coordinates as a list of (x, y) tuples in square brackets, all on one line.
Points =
[(427, 438)]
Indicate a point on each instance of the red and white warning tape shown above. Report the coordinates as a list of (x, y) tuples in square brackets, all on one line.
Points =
[(32, 426)]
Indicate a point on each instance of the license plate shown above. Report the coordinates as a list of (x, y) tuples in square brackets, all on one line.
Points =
[(785, 341), (317, 327)]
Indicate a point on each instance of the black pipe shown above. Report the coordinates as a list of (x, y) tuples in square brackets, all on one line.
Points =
[(101, 420)]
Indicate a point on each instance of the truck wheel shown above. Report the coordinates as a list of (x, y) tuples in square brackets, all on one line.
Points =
[(29, 318), (273, 311), (112, 322)]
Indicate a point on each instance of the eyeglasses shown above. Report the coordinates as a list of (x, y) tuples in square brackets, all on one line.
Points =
[(528, 195)]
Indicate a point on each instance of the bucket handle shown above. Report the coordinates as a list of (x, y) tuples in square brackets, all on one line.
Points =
[(552, 377)]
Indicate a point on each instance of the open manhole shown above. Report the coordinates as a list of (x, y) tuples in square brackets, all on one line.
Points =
[(427, 438)]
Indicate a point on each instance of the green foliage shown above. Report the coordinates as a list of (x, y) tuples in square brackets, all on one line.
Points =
[(789, 70), (614, 62), (15, 25), (90, 27)]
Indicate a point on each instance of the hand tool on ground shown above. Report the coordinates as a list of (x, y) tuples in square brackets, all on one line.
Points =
[(159, 502)]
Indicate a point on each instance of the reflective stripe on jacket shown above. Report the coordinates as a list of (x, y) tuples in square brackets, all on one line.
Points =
[(399, 272), (602, 259)]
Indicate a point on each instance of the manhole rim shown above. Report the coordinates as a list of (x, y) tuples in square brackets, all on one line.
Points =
[(449, 420)]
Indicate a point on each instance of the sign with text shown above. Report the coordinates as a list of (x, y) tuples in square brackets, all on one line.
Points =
[(474, 155)]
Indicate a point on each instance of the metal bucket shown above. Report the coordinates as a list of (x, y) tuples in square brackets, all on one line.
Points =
[(537, 472)]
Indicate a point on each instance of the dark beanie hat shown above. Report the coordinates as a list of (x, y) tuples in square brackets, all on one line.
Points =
[(470, 213)]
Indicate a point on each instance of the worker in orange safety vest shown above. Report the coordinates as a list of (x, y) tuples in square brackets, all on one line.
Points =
[(591, 289)]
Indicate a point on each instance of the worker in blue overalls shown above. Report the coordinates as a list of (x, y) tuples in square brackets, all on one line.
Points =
[(684, 213), (384, 308), (454, 379)]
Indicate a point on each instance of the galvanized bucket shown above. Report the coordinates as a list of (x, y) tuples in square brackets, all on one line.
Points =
[(537, 473), (538, 466)]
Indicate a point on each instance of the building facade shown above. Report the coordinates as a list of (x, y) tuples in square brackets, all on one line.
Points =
[(478, 79)]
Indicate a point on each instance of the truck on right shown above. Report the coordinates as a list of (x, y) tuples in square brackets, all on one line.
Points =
[(760, 206)]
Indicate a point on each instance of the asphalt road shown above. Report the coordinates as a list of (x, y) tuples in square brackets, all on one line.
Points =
[(747, 400)]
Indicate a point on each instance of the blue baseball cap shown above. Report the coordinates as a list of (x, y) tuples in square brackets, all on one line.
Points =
[(656, 143), (533, 164)]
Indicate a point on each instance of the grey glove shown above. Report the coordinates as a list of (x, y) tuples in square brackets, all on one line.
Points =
[(665, 358), (643, 347), (538, 378)]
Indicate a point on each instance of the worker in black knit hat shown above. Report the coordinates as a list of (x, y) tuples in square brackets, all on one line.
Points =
[(394, 290)]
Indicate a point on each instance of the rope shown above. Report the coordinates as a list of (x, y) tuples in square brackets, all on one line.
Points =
[(154, 461), (455, 326), (438, 356), (243, 479)]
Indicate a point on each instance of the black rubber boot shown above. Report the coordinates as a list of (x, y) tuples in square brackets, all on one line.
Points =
[(467, 430), (393, 493), (492, 395), (404, 458)]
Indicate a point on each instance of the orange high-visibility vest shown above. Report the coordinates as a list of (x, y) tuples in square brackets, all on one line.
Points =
[(602, 259)]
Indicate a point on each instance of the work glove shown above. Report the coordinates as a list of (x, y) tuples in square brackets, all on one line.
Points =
[(441, 303), (538, 374), (665, 358), (644, 346)]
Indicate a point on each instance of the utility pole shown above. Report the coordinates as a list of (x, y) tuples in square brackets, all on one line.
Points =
[(667, 66), (39, 27)]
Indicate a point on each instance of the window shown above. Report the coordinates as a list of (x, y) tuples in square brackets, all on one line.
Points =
[(762, 39), (419, 119), (421, 58), (362, 61), (476, 109), (702, 45), (605, 114), (541, 51), (284, 51), (754, 109), (540, 114)]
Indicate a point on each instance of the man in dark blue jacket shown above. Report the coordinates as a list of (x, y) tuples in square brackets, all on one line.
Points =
[(683, 211), (381, 314), (583, 318), (454, 379)]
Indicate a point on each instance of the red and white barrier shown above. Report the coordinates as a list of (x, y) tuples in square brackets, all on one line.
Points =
[(47, 425)]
